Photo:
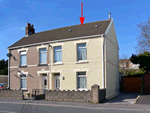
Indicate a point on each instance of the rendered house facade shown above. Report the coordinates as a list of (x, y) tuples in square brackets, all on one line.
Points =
[(69, 58)]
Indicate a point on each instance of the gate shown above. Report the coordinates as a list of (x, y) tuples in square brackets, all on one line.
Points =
[(132, 83), (38, 94), (147, 83)]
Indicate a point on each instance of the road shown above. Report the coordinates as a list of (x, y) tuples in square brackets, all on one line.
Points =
[(47, 108)]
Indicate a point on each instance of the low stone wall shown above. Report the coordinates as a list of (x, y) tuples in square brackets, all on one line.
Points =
[(96, 95), (74, 96), (11, 94)]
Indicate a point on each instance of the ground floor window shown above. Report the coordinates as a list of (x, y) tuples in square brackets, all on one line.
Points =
[(81, 80), (23, 81)]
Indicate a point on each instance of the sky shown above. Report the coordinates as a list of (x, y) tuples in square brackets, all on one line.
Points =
[(51, 14)]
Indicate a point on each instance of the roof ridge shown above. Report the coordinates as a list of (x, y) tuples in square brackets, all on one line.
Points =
[(72, 26)]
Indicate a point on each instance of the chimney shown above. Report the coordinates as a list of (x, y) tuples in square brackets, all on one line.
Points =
[(29, 29), (109, 14)]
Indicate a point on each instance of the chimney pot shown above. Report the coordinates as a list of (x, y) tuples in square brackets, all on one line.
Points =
[(109, 14)]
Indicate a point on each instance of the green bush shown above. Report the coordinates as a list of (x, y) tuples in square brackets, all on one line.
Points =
[(134, 72)]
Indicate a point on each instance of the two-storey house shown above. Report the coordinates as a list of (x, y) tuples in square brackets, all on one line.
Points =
[(68, 58)]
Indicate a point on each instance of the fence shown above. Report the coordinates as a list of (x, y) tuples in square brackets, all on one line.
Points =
[(132, 83), (38, 94)]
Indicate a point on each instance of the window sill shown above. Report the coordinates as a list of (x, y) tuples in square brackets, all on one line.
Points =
[(42, 65), (24, 89), (23, 66), (57, 63), (82, 61), (82, 89)]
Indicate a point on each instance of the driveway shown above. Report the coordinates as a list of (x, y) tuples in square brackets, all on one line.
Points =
[(123, 98), (144, 99)]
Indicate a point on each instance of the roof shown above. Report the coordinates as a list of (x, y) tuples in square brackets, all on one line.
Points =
[(124, 60), (63, 33)]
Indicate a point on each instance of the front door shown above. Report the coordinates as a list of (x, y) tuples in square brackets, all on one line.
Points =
[(56, 81), (44, 81)]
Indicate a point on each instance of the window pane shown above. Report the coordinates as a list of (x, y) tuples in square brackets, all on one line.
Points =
[(23, 83), (43, 50), (56, 74), (81, 73), (57, 54), (81, 82), (43, 58), (23, 60), (57, 48), (81, 45), (56, 83), (82, 54), (22, 52), (45, 82)]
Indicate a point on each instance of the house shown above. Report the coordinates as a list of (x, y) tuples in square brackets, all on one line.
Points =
[(3, 79), (128, 64), (68, 58)]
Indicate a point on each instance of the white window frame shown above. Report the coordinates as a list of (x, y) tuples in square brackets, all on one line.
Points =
[(54, 55), (43, 52), (21, 83), (85, 76), (81, 48), (23, 53)]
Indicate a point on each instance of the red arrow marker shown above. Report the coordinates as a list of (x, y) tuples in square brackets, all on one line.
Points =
[(82, 18)]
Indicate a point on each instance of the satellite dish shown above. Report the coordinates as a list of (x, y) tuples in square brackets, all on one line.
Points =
[(9, 54)]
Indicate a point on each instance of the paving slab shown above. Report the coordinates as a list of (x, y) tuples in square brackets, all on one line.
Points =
[(144, 99), (124, 98)]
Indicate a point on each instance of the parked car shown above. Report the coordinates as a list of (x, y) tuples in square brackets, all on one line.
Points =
[(3, 85)]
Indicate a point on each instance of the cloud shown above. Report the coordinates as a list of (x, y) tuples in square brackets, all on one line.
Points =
[(22, 28)]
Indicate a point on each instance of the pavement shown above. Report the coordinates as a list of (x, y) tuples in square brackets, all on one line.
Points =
[(28, 104), (144, 99), (124, 98), (124, 102)]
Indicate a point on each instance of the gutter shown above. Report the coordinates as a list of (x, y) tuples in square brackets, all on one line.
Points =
[(103, 62), (8, 71)]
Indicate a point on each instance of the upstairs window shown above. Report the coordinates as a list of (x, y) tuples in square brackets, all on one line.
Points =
[(58, 54), (23, 58), (81, 52), (43, 56)]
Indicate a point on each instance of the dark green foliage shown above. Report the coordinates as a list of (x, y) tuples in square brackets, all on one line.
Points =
[(3, 67), (142, 59), (135, 72)]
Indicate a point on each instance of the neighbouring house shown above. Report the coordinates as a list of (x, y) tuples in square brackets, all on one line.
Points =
[(69, 58), (3, 79), (128, 64)]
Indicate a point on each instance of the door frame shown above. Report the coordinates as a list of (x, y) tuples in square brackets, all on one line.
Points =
[(42, 76), (54, 80)]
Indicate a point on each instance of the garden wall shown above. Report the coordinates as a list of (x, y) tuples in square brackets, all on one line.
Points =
[(96, 95), (11, 94)]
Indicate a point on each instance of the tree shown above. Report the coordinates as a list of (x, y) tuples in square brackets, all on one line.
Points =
[(144, 37), (142, 59), (3, 67)]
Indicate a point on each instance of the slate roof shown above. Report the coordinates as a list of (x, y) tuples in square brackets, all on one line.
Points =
[(86, 29)]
